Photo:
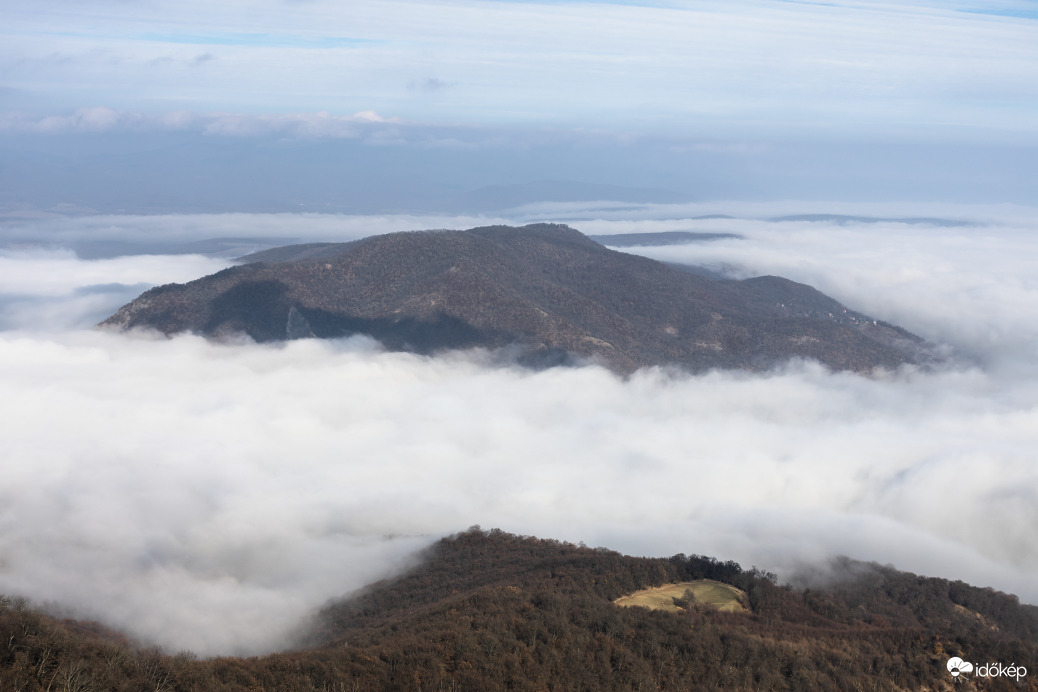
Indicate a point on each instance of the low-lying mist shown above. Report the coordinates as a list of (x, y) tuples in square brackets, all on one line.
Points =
[(208, 496)]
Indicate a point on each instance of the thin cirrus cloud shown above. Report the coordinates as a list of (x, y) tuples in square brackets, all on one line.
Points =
[(239, 39), (841, 67), (100, 119), (209, 496)]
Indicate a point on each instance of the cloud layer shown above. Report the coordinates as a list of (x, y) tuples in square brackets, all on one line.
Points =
[(208, 496), (885, 67)]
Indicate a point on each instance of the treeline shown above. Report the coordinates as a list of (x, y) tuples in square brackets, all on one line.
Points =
[(494, 611)]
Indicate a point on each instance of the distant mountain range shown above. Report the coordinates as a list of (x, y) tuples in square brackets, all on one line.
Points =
[(488, 610), (659, 238), (843, 219), (545, 289)]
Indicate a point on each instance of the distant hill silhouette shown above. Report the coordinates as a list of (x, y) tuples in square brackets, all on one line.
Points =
[(843, 219), (545, 288), (660, 238)]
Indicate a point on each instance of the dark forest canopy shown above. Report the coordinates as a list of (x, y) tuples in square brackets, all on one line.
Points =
[(494, 611)]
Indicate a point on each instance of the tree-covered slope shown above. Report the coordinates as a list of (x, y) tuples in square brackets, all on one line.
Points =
[(545, 288), (494, 611)]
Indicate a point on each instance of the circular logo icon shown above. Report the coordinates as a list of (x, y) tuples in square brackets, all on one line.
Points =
[(957, 666)]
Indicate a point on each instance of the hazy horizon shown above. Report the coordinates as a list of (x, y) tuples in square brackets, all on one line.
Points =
[(283, 106)]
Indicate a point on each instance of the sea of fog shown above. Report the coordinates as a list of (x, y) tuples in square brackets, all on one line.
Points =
[(209, 496)]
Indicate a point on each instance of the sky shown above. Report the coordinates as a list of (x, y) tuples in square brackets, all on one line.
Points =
[(375, 106), (210, 496), (882, 66)]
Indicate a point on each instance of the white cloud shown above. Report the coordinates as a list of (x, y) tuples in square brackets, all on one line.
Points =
[(745, 66), (46, 290), (94, 119), (305, 125), (206, 496), (53, 273), (101, 119), (151, 229), (969, 286)]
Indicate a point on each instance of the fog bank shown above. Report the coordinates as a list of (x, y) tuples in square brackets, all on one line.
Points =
[(208, 496)]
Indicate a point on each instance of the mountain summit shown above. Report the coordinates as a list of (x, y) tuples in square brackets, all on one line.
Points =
[(546, 288)]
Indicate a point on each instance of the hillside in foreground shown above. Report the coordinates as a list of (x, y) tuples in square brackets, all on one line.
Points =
[(545, 289), (494, 611)]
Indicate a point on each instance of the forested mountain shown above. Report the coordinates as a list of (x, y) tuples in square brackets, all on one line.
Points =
[(545, 288), (494, 611)]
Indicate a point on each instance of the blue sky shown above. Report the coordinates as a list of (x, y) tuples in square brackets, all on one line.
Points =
[(743, 75)]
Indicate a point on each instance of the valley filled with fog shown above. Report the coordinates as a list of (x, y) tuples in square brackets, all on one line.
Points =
[(209, 496)]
